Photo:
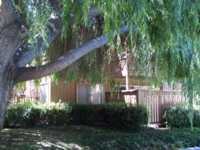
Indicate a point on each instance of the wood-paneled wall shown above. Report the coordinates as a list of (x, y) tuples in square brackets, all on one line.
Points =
[(63, 91)]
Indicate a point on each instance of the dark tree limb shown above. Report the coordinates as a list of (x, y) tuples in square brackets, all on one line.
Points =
[(54, 29), (33, 51)]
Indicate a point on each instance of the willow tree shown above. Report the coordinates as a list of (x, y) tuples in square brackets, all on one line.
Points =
[(161, 35)]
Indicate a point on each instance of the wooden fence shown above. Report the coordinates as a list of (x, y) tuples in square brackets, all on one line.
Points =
[(157, 101)]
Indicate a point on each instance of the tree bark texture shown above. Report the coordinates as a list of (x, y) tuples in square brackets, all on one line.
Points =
[(10, 39)]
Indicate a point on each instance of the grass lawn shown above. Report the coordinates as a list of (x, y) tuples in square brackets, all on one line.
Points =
[(76, 138)]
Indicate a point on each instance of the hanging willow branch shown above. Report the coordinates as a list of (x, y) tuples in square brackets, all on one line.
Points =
[(65, 60), (167, 32)]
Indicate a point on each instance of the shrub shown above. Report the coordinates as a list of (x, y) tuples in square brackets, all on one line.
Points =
[(19, 114), (177, 117), (118, 116), (112, 116), (196, 118), (58, 116), (28, 114)]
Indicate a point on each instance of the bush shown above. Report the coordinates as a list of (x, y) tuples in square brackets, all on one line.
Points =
[(29, 114), (58, 117), (177, 117), (112, 116), (118, 116), (196, 118), (19, 115)]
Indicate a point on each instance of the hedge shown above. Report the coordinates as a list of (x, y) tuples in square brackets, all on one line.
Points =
[(31, 114), (113, 116), (177, 117)]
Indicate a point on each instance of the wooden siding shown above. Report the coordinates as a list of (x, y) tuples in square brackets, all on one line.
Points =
[(90, 94), (72, 92), (63, 91)]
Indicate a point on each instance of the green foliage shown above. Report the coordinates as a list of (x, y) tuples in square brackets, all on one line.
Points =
[(196, 119), (98, 139), (30, 114), (36, 14), (167, 31), (111, 116), (20, 86), (58, 114), (163, 37), (19, 114), (177, 117)]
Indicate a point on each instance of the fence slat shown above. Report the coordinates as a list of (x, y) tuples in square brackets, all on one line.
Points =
[(157, 101)]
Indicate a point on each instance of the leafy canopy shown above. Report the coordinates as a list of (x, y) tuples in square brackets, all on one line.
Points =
[(163, 36)]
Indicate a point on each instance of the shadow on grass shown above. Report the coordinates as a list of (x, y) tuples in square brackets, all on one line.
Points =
[(76, 138)]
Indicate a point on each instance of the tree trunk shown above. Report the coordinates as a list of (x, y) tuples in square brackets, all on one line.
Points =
[(5, 88), (10, 40)]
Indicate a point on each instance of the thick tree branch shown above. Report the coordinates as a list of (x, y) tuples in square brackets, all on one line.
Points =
[(54, 29), (64, 61)]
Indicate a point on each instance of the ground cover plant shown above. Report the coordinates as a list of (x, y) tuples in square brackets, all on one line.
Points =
[(87, 138)]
